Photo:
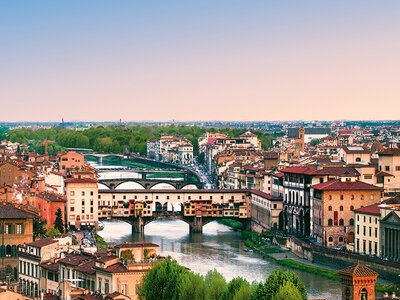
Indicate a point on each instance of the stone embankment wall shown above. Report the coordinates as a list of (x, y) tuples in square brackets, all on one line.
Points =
[(336, 258)]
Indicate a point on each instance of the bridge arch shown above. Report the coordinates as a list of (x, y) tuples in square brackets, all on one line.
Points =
[(190, 187), (129, 185), (163, 186), (102, 186)]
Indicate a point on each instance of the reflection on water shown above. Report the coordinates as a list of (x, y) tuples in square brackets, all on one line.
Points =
[(218, 247)]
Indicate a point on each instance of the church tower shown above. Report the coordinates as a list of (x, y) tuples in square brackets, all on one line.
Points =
[(358, 283)]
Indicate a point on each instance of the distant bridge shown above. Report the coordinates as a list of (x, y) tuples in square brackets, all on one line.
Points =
[(138, 183)]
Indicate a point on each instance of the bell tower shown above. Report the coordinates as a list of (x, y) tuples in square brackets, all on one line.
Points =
[(299, 142), (358, 283)]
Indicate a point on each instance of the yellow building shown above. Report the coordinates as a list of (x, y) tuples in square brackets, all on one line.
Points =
[(367, 229), (82, 202)]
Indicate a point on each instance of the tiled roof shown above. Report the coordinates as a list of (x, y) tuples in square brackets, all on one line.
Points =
[(390, 152), (355, 150), (370, 209), (382, 174), (136, 245), (265, 195), (358, 271), (9, 211), (81, 180), (337, 171), (338, 185), (87, 267), (116, 268), (54, 267), (52, 197), (299, 170), (43, 242), (74, 259)]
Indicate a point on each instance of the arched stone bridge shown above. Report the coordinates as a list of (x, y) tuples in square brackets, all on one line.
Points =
[(133, 183), (195, 223)]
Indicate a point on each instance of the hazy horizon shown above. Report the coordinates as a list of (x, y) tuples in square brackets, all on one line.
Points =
[(208, 60)]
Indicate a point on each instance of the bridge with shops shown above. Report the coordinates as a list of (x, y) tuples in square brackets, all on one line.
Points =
[(195, 207)]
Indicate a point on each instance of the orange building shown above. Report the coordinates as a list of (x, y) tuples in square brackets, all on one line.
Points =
[(71, 161), (358, 283), (333, 203), (48, 204)]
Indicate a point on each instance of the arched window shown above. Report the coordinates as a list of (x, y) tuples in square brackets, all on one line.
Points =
[(2, 251), (364, 294), (351, 222), (341, 239), (362, 197), (8, 250), (341, 208), (330, 239), (358, 159), (330, 208), (330, 222), (351, 207), (352, 197), (341, 197), (330, 197), (341, 222)]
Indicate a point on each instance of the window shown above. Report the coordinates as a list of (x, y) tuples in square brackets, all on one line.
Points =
[(91, 193), (341, 197), (341, 208), (72, 209), (358, 229), (352, 197), (330, 197), (341, 222), (362, 197), (72, 193), (351, 207), (330, 208), (83, 193), (387, 168), (341, 239), (330, 222), (330, 239), (351, 222)]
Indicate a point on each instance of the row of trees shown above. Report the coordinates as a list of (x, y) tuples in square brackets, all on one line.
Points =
[(113, 139), (168, 280)]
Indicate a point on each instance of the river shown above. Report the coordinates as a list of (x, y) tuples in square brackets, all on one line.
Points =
[(217, 247)]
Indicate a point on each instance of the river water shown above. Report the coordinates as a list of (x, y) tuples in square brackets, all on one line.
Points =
[(217, 247)]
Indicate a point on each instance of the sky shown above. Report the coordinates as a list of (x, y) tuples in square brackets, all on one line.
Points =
[(161, 60)]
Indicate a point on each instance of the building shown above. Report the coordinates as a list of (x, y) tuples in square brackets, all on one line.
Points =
[(389, 169), (266, 210), (71, 161), (355, 155), (171, 149), (16, 227), (367, 233), (82, 202), (11, 173), (390, 231), (30, 256), (310, 133), (358, 283), (47, 205), (333, 203)]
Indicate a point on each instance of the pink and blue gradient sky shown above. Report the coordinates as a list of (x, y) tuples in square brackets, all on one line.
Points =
[(199, 60)]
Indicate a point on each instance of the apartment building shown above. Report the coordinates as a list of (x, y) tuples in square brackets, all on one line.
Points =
[(171, 149), (333, 205), (82, 202), (367, 233)]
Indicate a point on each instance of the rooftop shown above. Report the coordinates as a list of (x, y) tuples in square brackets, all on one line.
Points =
[(358, 271), (42, 243), (370, 209), (338, 185), (10, 211)]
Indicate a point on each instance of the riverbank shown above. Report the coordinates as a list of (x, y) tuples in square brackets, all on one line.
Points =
[(256, 242)]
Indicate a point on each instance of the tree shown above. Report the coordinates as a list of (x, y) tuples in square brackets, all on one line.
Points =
[(58, 223), (233, 286), (39, 227), (271, 286), (288, 291), (127, 254), (193, 287), (51, 231), (315, 142), (162, 282), (245, 291), (216, 285)]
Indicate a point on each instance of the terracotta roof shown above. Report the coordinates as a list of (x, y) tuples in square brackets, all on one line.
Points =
[(390, 152), (87, 267), (114, 295), (9, 211), (74, 259), (54, 267), (382, 174), (52, 197), (43, 242), (299, 170), (355, 149), (81, 180), (358, 271), (116, 268), (136, 245), (370, 209), (337, 171), (392, 200), (265, 195), (338, 185)]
